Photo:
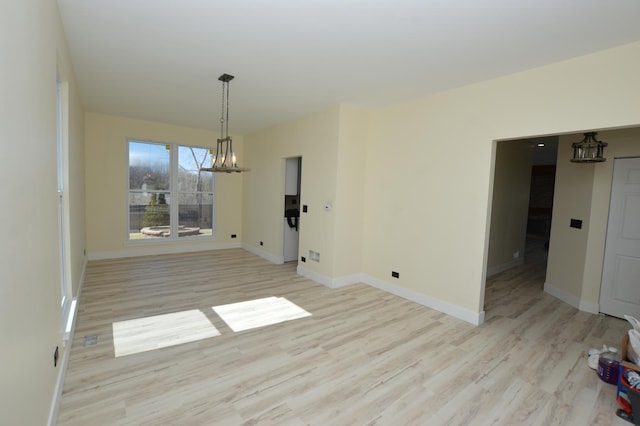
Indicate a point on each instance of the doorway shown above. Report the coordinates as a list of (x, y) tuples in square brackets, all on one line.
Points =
[(291, 230), (522, 205), (522, 201)]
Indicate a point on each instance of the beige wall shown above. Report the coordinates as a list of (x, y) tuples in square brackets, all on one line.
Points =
[(435, 234), (583, 191), (510, 203), (33, 46), (332, 146), (427, 174), (315, 139), (106, 194), (348, 207), (572, 200)]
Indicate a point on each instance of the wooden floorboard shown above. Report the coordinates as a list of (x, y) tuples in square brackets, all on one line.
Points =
[(363, 356)]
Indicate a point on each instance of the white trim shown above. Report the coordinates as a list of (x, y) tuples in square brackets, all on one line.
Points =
[(328, 281), (494, 270), (66, 353), (314, 276), (278, 260), (153, 251), (475, 318), (592, 308), (346, 280), (582, 305), (562, 295)]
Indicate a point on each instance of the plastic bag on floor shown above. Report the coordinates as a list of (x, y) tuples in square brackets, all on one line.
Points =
[(633, 348)]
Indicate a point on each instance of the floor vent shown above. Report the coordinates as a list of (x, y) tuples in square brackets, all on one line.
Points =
[(90, 340)]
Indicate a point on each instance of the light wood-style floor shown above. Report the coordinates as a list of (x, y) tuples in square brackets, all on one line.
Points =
[(362, 357)]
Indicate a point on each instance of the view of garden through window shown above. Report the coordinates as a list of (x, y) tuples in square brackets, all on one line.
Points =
[(169, 197)]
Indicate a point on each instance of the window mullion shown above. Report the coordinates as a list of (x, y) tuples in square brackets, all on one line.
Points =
[(174, 196)]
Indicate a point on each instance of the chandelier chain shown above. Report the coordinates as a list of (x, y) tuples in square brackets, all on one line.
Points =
[(222, 114), (227, 118)]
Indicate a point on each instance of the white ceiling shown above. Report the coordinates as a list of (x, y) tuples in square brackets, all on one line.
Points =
[(160, 59)]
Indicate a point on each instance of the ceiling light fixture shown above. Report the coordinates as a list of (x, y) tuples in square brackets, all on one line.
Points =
[(223, 159), (588, 150)]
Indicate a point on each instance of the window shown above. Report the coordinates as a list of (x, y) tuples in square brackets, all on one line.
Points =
[(169, 197)]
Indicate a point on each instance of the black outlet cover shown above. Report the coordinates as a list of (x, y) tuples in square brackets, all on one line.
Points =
[(56, 353), (261, 243), (233, 235), (576, 223), (395, 274), (304, 259), (304, 208)]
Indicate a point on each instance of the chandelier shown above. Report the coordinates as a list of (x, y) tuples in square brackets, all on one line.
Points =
[(223, 159), (588, 150)]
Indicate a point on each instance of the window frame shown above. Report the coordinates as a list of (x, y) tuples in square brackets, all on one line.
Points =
[(173, 193)]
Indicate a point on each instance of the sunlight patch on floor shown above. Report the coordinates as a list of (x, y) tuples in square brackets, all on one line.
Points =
[(161, 331), (259, 313)]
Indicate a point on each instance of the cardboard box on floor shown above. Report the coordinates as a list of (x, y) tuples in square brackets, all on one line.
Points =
[(625, 365), (623, 354)]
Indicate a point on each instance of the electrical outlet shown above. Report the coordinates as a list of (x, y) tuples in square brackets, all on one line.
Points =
[(261, 243), (303, 259), (304, 208), (56, 353), (395, 274), (233, 235)]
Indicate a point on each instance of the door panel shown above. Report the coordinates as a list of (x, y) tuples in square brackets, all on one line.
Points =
[(620, 291), (631, 213), (627, 271)]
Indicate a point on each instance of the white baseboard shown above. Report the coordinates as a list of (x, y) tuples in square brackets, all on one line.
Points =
[(328, 281), (154, 251), (562, 295), (592, 308), (346, 280), (582, 305), (278, 260), (505, 266), (314, 276), (475, 318), (66, 353)]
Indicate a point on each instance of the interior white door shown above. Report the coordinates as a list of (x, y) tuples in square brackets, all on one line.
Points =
[(620, 290)]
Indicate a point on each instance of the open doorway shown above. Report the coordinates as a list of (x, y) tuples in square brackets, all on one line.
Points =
[(541, 190), (573, 267), (522, 203), (522, 207), (293, 173)]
